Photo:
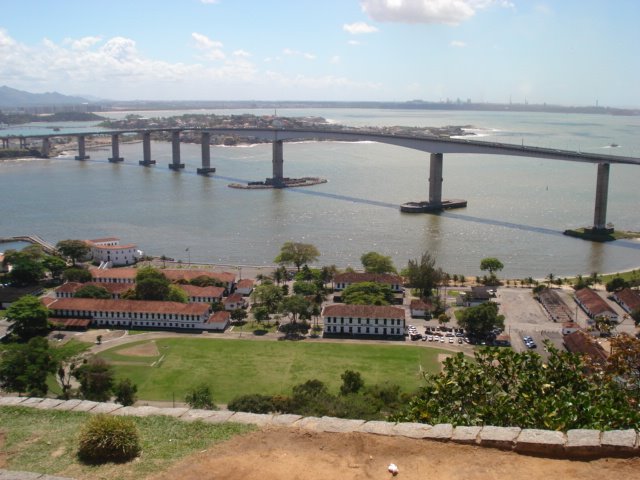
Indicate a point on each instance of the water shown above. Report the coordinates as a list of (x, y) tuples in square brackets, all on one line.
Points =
[(516, 211)]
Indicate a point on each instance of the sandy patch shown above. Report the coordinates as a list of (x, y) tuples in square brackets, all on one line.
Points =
[(295, 454), (148, 349)]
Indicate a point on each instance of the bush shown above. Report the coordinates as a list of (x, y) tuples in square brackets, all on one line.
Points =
[(125, 392), (200, 397), (254, 403), (108, 439)]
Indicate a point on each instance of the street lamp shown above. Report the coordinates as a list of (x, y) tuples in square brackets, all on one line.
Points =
[(189, 255)]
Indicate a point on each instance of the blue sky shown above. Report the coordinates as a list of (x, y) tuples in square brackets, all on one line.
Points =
[(570, 52)]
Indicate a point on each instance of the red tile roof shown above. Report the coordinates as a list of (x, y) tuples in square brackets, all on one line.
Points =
[(137, 306), (219, 317), (363, 311), (126, 273), (195, 291), (73, 287), (631, 298), (245, 283), (357, 277), (593, 302), (234, 298), (174, 275), (70, 322), (582, 343), (417, 304)]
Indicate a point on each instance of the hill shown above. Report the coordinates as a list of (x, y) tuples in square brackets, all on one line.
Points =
[(12, 98)]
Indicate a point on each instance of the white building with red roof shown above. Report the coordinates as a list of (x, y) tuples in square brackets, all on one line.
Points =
[(69, 289), (244, 287), (203, 294), (594, 305), (109, 251), (628, 299), (364, 321), (178, 275), (136, 313), (343, 280), (234, 301)]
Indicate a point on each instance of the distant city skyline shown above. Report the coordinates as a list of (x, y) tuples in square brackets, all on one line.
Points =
[(569, 52)]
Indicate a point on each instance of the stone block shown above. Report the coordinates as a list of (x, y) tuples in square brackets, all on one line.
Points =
[(68, 404), (31, 402), (85, 406), (411, 430), (499, 437), (541, 442), (13, 475), (466, 435), (48, 403), (619, 442), (285, 420), (12, 401), (583, 443), (219, 416), (196, 414), (106, 408), (175, 412), (251, 418), (378, 428), (143, 411), (441, 432), (308, 423), (339, 425)]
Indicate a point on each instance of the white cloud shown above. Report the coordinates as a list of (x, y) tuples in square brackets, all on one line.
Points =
[(82, 43), (458, 44), (209, 2), (241, 53), (354, 42), (358, 28), (296, 53), (335, 59), (211, 48), (543, 9), (450, 12)]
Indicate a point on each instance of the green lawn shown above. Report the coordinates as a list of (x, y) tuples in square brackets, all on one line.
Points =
[(237, 367), (45, 441)]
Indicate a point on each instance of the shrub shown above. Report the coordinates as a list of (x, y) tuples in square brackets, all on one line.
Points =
[(255, 403), (125, 392), (108, 439), (200, 397)]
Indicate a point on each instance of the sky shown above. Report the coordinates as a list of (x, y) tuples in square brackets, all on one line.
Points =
[(568, 52)]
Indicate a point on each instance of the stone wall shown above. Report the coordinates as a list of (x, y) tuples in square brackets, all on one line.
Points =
[(547, 443)]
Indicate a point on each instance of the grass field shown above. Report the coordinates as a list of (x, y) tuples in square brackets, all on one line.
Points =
[(45, 441), (237, 367)]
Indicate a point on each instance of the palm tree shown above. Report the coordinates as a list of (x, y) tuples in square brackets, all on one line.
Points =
[(550, 278)]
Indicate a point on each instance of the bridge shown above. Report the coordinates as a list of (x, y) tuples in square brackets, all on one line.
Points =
[(435, 146)]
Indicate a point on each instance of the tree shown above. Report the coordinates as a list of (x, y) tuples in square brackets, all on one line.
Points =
[(479, 321), (24, 367), (176, 294), (374, 262), (92, 291), (491, 264), (367, 293), (635, 314), (96, 379), (28, 317), (206, 281), (76, 250), (297, 253), (55, 265), (305, 288), (351, 382), (443, 319), (151, 284), (200, 397), (125, 391), (616, 284), (268, 295), (550, 277), (296, 306), (238, 315), (504, 388), (423, 275), (260, 314), (26, 267), (79, 275)]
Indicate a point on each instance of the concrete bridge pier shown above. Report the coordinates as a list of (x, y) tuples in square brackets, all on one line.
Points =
[(146, 150), (5, 143), (115, 150), (602, 194), (205, 143), (23, 143), (278, 164), (81, 149), (46, 147), (435, 180), (175, 149)]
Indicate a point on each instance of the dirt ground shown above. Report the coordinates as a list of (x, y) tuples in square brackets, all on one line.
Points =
[(272, 454), (148, 349)]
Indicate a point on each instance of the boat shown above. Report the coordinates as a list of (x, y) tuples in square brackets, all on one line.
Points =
[(614, 145)]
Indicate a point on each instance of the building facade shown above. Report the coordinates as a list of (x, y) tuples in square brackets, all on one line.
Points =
[(362, 321)]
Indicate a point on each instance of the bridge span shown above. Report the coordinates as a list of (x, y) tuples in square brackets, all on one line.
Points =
[(436, 146)]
